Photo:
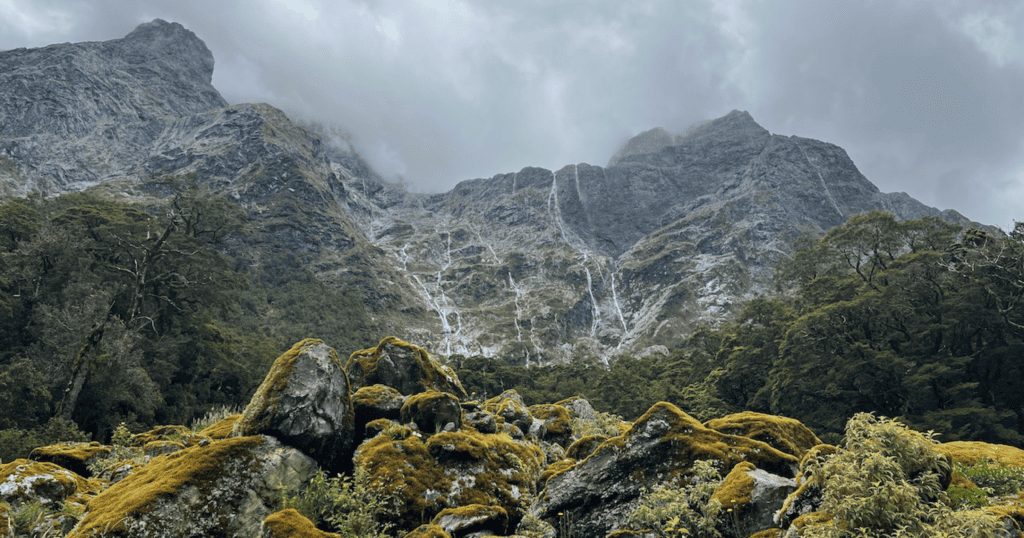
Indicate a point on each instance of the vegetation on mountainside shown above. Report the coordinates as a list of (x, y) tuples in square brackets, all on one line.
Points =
[(918, 320), (113, 312)]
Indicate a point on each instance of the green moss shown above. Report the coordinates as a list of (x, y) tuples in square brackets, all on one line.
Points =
[(737, 487), (267, 397), (161, 478), (291, 524), (785, 434)]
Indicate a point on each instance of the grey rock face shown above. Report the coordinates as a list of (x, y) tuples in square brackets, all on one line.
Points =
[(306, 403), (405, 367)]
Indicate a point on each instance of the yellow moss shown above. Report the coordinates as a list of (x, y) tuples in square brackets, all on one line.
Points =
[(555, 469), (291, 524), (735, 490), (971, 452), (424, 471), (432, 370), (268, 394), (816, 453), (161, 478), (471, 511), (1013, 510), (962, 481), (178, 434), (556, 418), (767, 533), (374, 395), (785, 434), (811, 519), (428, 531), (71, 482), (687, 440), (71, 452), (222, 429), (584, 446)]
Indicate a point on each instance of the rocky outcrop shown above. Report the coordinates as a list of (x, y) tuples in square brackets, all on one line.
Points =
[(602, 490), (24, 481), (305, 402), (74, 457), (405, 367), (432, 411), (781, 433), (225, 488), (473, 520), (751, 497)]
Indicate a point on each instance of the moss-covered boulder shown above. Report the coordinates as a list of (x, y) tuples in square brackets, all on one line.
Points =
[(305, 402), (785, 434), (74, 457), (291, 524), (661, 446), (450, 470), (428, 531), (511, 409), (402, 366), (24, 481), (579, 408), (473, 520), (377, 401), (224, 488), (432, 411), (557, 423), (481, 421), (751, 497)]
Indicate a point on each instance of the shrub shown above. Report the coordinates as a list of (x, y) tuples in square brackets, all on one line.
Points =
[(682, 510), (344, 503), (885, 480)]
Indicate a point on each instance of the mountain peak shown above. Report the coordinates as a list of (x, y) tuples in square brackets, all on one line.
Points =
[(738, 124), (162, 40)]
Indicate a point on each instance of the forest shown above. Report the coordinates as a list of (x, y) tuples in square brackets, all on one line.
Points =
[(116, 312)]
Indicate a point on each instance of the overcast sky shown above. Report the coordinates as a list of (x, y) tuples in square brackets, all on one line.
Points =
[(927, 97)]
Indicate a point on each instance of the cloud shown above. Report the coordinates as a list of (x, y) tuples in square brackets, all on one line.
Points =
[(924, 96)]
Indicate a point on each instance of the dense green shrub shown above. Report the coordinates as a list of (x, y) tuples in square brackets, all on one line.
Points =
[(18, 443), (345, 504), (686, 509)]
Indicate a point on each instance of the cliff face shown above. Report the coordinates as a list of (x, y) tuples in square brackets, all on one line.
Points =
[(542, 265)]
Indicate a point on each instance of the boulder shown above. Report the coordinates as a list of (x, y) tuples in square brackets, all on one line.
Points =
[(305, 402), (662, 445), (376, 401), (402, 366), (224, 488), (473, 520), (23, 481), (428, 531), (450, 470), (784, 434), (579, 408), (509, 407), (751, 497), (74, 457), (290, 523), (971, 452), (432, 411), (557, 423), (481, 421)]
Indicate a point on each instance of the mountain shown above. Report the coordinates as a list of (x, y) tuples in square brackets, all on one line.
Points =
[(674, 233)]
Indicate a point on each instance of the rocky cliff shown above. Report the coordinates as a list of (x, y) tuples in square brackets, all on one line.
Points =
[(539, 265)]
